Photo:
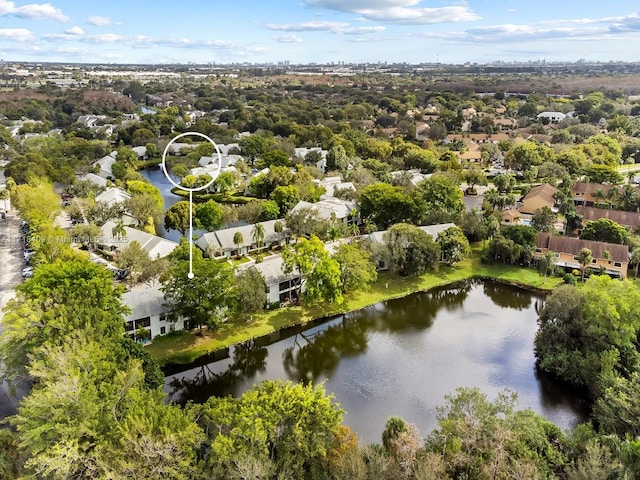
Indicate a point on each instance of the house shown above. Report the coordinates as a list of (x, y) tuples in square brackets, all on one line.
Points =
[(112, 196), (220, 243), (626, 219), (538, 197), (147, 310), (156, 247), (552, 117), (328, 207), (584, 193), (281, 287), (331, 184), (511, 217), (320, 164), (104, 166), (567, 249), (141, 152), (95, 179), (380, 237)]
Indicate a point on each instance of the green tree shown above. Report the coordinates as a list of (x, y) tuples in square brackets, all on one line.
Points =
[(208, 215), (257, 234), (225, 182), (357, 270), (60, 298), (254, 146), (250, 290), (177, 217), (604, 230), (441, 195), (238, 240), (133, 258), (584, 259), (269, 211), (411, 251), (634, 259), (202, 299), (127, 157), (292, 425), (454, 246), (286, 197), (547, 264), (386, 205), (337, 159), (143, 208), (544, 219), (598, 173), (320, 274)]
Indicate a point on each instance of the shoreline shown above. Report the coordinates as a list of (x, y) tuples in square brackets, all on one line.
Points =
[(185, 348)]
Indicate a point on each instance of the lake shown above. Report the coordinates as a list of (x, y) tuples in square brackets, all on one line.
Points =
[(401, 357)]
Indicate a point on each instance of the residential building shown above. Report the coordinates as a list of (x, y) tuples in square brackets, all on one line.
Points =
[(626, 219), (553, 117), (538, 197), (344, 210), (331, 184), (220, 243), (281, 287), (112, 196), (586, 194), (104, 165), (156, 247), (147, 311), (567, 249)]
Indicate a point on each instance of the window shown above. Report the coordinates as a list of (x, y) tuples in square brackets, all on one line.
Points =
[(267, 290), (594, 260), (163, 317), (163, 330), (538, 250), (128, 326), (617, 264), (143, 322), (557, 255), (576, 258)]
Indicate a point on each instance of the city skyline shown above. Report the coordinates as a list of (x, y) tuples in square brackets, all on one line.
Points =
[(320, 31)]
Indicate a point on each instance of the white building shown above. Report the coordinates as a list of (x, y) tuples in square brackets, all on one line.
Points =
[(148, 312), (553, 117), (220, 243), (156, 247), (330, 206), (280, 286), (105, 164)]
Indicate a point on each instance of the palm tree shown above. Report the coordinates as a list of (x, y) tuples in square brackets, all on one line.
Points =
[(237, 240), (257, 234), (635, 259), (492, 197), (599, 195), (612, 196), (584, 258), (278, 227), (627, 198), (118, 231)]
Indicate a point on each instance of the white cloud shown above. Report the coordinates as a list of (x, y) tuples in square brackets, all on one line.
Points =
[(341, 28), (311, 26), (398, 11), (99, 21), (355, 6), (34, 11), (16, 34), (74, 31), (292, 38)]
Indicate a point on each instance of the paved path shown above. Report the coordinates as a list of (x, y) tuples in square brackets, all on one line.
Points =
[(11, 259)]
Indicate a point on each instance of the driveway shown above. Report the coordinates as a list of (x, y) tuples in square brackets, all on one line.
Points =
[(11, 259)]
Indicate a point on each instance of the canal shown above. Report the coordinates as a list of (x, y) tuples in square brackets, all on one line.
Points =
[(401, 357)]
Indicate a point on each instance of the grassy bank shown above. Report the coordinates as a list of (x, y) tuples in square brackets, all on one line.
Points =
[(185, 347)]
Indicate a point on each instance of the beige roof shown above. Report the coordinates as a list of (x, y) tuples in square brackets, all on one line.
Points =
[(572, 246), (538, 197)]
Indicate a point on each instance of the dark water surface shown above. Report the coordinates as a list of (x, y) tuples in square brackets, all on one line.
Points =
[(401, 357)]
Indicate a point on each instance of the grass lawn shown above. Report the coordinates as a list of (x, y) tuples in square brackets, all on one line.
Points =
[(185, 347)]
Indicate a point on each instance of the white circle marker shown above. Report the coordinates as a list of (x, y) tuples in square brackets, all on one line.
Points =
[(214, 174)]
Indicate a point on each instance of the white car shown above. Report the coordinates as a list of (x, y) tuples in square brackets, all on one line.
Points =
[(27, 272)]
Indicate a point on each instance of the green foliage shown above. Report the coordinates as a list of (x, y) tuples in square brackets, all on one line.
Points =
[(291, 425), (387, 205), (605, 230), (203, 298), (590, 333), (410, 250), (250, 290), (441, 195), (208, 215), (357, 270), (269, 210), (544, 219), (60, 298), (320, 273), (177, 217), (454, 246), (286, 197), (603, 174)]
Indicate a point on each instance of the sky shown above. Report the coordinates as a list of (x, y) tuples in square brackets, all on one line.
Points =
[(320, 31)]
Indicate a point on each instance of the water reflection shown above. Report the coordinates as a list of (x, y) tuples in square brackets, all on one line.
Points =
[(401, 357)]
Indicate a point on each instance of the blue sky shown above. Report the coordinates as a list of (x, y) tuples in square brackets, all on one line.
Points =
[(303, 31)]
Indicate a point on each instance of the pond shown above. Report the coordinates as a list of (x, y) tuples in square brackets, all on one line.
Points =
[(401, 357)]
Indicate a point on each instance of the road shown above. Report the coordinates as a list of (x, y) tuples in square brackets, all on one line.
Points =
[(11, 260)]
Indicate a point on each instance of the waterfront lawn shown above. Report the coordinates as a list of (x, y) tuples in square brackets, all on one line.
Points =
[(185, 347)]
